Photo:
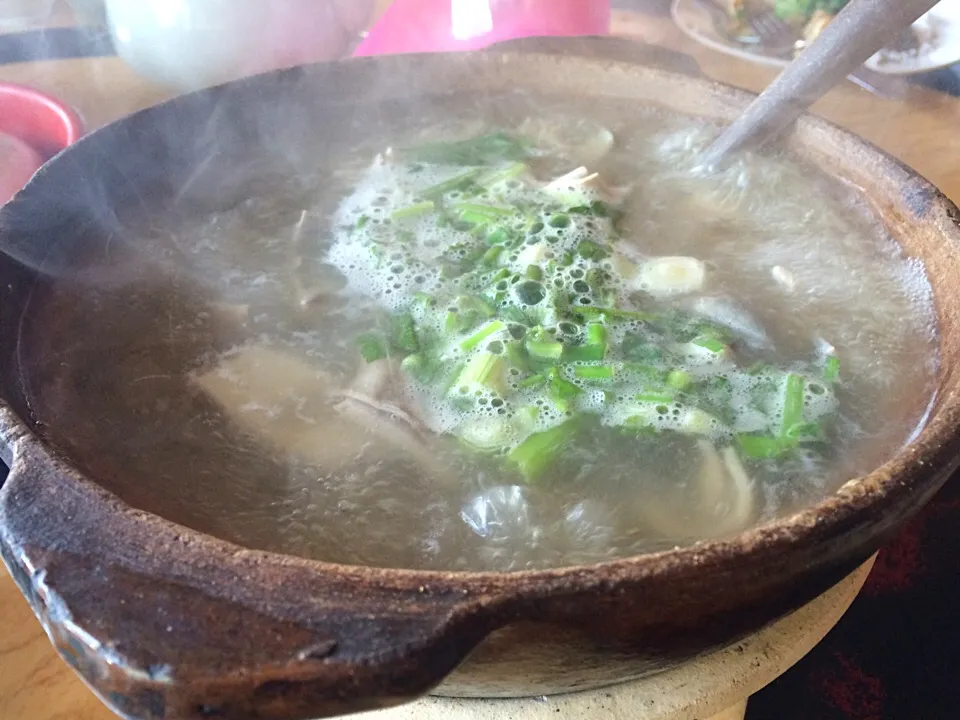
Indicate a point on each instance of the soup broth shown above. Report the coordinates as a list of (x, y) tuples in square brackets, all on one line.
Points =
[(514, 344)]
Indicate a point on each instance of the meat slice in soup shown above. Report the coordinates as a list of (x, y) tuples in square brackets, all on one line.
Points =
[(275, 396)]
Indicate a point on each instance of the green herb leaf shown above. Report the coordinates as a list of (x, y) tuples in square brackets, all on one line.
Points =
[(591, 251), (403, 334), (484, 150), (709, 343), (372, 347)]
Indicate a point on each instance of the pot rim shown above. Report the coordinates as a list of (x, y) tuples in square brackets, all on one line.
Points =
[(905, 474)]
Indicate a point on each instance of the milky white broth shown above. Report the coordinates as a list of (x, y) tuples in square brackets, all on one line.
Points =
[(793, 266)]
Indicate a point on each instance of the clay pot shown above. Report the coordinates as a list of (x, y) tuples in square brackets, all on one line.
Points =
[(163, 620)]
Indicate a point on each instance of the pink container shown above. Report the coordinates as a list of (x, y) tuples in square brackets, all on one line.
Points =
[(33, 127), (411, 26)]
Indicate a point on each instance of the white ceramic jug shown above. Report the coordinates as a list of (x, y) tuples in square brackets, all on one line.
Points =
[(190, 44)]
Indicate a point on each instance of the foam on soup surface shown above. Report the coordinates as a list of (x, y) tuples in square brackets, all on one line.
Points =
[(528, 344)]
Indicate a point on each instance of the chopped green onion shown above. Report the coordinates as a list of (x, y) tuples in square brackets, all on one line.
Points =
[(760, 446), (484, 369), (491, 256), (613, 313), (486, 331), (562, 392), (584, 353), (372, 347), (403, 335), (594, 372), (654, 374), (453, 377), (792, 403), (491, 212), (680, 379), (593, 349), (457, 182), (498, 236), (653, 397), (475, 219), (452, 322), (413, 211), (545, 349), (537, 453), (534, 272), (362, 221), (596, 334), (831, 371), (533, 381)]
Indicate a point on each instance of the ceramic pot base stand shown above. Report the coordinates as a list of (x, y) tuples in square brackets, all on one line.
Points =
[(715, 687)]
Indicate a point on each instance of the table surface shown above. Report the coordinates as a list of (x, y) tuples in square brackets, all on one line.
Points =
[(919, 127)]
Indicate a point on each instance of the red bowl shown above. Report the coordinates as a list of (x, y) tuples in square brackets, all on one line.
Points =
[(33, 128)]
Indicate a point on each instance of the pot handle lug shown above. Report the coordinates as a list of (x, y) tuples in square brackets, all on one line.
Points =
[(165, 623), (619, 49)]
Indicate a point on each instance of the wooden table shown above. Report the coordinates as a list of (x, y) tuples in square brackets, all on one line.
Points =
[(922, 129)]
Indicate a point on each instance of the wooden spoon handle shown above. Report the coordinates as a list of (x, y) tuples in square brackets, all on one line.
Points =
[(858, 31)]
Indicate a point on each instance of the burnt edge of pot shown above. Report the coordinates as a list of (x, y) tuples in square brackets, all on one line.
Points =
[(433, 619)]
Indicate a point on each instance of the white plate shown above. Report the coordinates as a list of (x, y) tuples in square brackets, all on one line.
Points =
[(940, 26)]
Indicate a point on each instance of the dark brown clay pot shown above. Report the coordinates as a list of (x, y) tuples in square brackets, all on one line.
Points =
[(165, 621)]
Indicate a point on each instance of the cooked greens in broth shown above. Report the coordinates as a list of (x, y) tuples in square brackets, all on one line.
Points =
[(518, 345)]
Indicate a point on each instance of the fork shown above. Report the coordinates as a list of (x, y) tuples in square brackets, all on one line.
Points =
[(857, 32), (774, 34), (779, 37)]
